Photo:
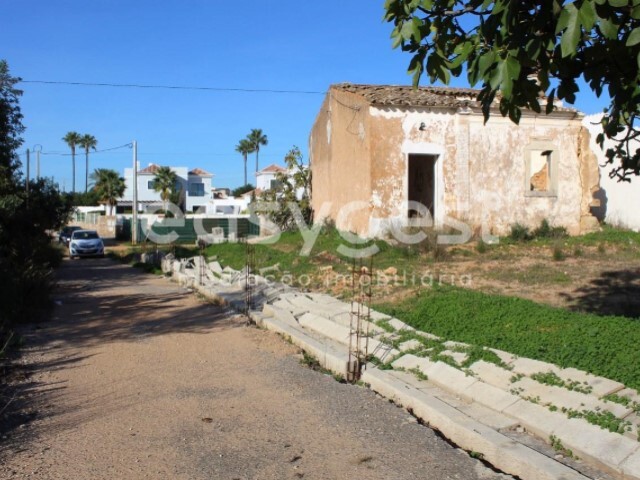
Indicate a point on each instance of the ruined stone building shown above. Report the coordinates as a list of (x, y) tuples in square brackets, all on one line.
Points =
[(375, 148)]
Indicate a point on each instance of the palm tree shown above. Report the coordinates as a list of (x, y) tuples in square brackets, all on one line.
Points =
[(245, 148), (87, 142), (257, 138), (165, 183), (72, 139), (109, 186)]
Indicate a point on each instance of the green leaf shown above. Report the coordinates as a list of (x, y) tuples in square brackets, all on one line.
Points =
[(633, 38), (485, 62), (571, 36), (609, 29), (618, 3), (587, 15)]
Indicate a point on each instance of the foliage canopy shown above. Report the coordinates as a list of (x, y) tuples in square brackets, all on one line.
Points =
[(520, 51)]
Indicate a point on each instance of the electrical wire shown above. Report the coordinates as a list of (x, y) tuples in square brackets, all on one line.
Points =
[(126, 145), (175, 87)]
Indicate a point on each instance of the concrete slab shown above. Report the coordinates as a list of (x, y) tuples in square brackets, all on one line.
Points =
[(488, 416), (630, 393), (398, 324), (428, 336), (215, 267), (600, 386), (457, 357), (410, 345), (631, 465), (490, 396), (448, 377), (492, 374), (602, 448), (536, 418), (286, 305), (506, 454), (450, 344), (327, 355), (506, 357), (325, 327), (561, 397), (527, 366)]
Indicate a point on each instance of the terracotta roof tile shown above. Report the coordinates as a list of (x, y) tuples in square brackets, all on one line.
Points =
[(151, 169), (200, 172), (408, 96), (273, 168)]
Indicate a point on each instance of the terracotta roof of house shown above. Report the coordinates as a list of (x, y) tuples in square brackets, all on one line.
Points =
[(256, 191), (408, 96), (273, 168), (200, 172), (151, 169)]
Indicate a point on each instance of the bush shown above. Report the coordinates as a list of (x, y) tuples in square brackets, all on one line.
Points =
[(547, 231), (520, 233)]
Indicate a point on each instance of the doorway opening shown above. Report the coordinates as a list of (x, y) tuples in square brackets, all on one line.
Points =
[(422, 182)]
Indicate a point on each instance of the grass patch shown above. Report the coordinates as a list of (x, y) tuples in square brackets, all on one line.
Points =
[(602, 345), (538, 273)]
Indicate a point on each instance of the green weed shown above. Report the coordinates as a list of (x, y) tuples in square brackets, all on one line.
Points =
[(602, 345)]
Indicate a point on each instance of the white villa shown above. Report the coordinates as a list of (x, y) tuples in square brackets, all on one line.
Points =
[(196, 183)]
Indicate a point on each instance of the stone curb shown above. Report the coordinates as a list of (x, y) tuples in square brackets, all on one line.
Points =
[(506, 454)]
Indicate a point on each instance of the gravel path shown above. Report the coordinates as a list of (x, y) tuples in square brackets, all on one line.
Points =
[(135, 378)]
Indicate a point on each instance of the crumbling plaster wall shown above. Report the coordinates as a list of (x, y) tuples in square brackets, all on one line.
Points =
[(618, 201), (340, 161), (481, 171)]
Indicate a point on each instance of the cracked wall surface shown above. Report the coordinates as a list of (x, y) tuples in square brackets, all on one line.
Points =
[(481, 174)]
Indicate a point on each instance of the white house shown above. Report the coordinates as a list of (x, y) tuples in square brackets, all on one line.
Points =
[(618, 201), (266, 178), (196, 183)]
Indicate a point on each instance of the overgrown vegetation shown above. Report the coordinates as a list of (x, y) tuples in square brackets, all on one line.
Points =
[(289, 203), (27, 211), (603, 345)]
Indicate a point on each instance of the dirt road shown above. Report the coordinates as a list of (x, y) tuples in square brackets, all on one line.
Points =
[(135, 378)]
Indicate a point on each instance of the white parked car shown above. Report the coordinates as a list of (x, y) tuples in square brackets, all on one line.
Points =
[(86, 243)]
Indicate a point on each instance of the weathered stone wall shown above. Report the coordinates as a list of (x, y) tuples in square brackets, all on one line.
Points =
[(340, 153), (482, 175), (617, 201)]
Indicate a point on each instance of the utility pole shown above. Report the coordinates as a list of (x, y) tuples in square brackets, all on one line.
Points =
[(37, 150), (134, 219), (28, 162)]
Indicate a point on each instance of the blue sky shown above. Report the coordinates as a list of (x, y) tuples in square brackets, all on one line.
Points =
[(279, 45)]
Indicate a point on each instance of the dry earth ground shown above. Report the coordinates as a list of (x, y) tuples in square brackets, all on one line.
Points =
[(135, 378)]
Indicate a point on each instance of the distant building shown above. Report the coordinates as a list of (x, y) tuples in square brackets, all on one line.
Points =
[(266, 179), (196, 185)]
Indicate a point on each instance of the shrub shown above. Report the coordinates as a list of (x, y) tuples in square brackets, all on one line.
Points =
[(520, 233), (547, 231), (481, 246), (558, 253)]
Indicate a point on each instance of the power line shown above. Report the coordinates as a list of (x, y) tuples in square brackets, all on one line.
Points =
[(175, 87), (126, 145)]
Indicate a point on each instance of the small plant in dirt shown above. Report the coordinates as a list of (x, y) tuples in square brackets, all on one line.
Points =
[(481, 246), (557, 445), (602, 248), (577, 252), (519, 233), (547, 231), (558, 253)]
